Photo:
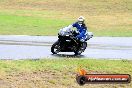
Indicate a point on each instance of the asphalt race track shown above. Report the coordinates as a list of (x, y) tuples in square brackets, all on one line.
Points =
[(36, 47)]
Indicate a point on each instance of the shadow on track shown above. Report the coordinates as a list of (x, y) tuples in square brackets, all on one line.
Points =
[(68, 56)]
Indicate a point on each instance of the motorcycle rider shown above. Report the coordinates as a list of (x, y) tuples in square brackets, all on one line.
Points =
[(81, 29), (82, 32)]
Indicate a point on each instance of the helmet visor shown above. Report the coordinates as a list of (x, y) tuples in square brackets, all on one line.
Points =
[(80, 22)]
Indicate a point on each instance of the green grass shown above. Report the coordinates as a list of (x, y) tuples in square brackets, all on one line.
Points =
[(44, 17), (59, 72), (59, 64), (115, 66), (26, 25)]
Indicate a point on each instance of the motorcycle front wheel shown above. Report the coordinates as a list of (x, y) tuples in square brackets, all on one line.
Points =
[(55, 47)]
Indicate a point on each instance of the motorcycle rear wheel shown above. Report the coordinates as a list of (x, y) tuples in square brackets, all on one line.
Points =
[(81, 49), (78, 52)]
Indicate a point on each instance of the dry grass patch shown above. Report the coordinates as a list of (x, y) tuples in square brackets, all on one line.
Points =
[(56, 73)]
